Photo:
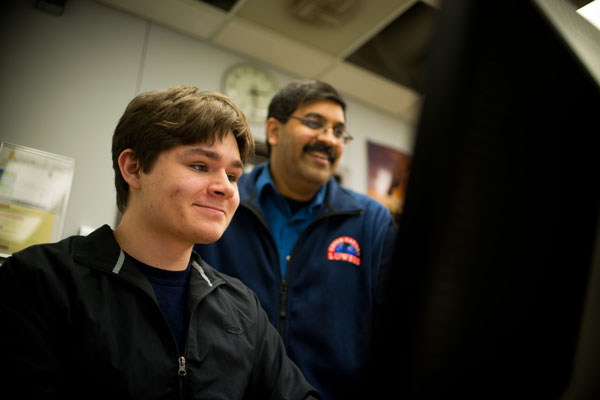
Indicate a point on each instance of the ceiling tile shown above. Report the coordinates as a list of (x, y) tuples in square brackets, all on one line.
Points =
[(263, 44), (358, 21), (373, 89)]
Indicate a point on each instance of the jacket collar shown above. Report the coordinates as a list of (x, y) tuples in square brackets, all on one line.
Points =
[(100, 250), (337, 198)]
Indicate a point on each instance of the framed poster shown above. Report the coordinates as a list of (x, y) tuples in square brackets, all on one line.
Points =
[(34, 192), (388, 176)]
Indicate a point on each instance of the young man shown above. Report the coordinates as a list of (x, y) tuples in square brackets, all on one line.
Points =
[(133, 313), (313, 251)]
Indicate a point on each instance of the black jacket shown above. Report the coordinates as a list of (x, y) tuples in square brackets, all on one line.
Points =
[(78, 320)]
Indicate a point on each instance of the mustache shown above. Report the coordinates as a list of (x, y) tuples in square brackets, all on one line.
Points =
[(321, 147)]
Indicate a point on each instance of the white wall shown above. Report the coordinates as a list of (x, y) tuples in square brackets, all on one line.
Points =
[(66, 81)]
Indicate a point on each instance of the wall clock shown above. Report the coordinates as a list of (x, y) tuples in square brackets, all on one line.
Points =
[(251, 88)]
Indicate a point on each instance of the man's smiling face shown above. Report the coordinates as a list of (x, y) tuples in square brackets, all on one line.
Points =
[(304, 155)]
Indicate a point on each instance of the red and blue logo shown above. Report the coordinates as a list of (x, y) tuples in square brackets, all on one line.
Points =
[(344, 248)]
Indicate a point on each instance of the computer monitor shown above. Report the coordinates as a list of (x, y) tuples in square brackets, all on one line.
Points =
[(491, 277)]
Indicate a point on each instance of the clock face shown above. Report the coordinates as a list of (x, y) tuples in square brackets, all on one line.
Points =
[(252, 89)]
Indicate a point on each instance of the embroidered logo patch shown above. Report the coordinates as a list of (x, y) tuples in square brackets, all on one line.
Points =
[(344, 248)]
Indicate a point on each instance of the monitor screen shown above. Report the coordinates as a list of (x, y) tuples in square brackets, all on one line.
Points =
[(487, 295)]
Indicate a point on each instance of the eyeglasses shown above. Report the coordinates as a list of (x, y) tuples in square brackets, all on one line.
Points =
[(339, 131)]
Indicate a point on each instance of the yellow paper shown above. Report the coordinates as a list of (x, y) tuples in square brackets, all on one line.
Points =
[(22, 226)]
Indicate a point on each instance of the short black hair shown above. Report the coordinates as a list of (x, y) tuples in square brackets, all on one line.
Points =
[(297, 93)]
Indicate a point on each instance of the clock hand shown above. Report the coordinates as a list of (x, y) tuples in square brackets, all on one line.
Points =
[(257, 92)]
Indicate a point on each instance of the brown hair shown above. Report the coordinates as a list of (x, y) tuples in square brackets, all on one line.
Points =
[(159, 120)]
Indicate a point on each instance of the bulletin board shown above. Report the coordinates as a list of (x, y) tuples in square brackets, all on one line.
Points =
[(34, 193)]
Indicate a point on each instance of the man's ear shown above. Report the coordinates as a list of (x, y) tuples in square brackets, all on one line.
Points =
[(273, 130), (130, 168)]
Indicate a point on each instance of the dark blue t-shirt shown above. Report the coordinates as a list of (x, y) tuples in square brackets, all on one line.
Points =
[(170, 290)]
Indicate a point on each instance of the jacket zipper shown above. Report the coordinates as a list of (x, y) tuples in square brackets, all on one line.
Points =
[(282, 307), (283, 286), (181, 371), (181, 368)]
